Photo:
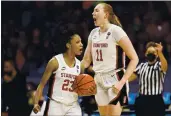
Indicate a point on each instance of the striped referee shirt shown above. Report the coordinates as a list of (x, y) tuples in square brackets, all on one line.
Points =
[(151, 78)]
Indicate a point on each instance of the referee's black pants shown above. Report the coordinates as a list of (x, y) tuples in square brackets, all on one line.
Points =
[(149, 105)]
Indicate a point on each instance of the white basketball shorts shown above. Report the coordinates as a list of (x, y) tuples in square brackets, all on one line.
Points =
[(104, 82), (54, 108)]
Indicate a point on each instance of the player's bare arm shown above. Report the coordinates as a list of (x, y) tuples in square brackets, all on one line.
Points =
[(82, 68), (87, 59), (127, 46), (50, 68)]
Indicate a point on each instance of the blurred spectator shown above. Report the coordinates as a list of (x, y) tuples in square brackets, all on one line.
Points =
[(168, 6), (14, 98), (22, 40), (48, 50), (168, 45), (87, 4), (35, 49), (21, 55), (20, 59), (137, 24), (152, 30)]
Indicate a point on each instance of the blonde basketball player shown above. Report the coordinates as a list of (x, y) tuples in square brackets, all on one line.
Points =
[(64, 67), (103, 47)]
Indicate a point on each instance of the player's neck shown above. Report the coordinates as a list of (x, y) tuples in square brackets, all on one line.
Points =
[(104, 27), (69, 59)]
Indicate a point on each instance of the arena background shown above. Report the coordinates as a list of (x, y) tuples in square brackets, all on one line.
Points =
[(30, 35)]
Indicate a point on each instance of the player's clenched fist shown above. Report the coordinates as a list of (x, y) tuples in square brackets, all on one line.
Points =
[(36, 108)]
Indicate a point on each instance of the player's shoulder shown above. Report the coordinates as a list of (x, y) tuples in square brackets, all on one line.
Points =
[(117, 32), (53, 63), (115, 27), (94, 30), (56, 58)]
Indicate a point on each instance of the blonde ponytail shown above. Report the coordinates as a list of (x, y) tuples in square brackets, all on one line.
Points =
[(115, 20)]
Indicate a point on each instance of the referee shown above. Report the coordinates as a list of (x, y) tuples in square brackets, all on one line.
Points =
[(151, 76)]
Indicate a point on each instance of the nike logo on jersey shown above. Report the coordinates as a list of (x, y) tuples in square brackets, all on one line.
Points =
[(63, 68), (94, 37)]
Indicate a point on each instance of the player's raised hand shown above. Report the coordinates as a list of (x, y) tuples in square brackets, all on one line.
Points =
[(36, 108), (159, 47)]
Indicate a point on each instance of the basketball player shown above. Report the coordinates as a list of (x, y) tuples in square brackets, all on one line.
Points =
[(105, 45), (64, 67)]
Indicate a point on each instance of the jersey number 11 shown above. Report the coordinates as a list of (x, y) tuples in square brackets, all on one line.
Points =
[(99, 55)]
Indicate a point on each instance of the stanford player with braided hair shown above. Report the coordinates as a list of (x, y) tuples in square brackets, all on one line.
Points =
[(64, 67), (107, 45)]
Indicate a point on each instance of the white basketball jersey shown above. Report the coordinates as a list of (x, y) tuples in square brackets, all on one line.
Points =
[(60, 85), (105, 50)]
